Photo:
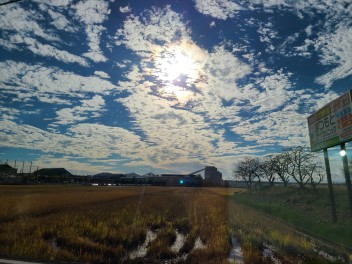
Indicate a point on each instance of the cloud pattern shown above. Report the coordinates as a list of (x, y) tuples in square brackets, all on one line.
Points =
[(85, 83)]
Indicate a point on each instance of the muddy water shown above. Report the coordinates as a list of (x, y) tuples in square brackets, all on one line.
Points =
[(269, 254), (141, 251), (236, 254), (180, 240), (198, 244)]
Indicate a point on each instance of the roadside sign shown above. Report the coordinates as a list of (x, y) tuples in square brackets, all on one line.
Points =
[(331, 125)]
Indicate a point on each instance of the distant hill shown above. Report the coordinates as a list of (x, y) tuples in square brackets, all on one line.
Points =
[(149, 174), (108, 175), (132, 175)]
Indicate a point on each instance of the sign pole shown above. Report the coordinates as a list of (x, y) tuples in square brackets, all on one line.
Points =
[(331, 191), (347, 176)]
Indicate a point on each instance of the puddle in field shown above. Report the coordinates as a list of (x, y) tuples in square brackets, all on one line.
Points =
[(328, 256), (141, 251), (236, 254), (180, 240), (198, 244), (269, 254)]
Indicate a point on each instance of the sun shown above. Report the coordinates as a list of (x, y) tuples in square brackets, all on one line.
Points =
[(176, 64), (178, 69), (173, 62)]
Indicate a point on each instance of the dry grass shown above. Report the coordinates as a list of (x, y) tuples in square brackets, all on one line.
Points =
[(102, 224), (99, 225)]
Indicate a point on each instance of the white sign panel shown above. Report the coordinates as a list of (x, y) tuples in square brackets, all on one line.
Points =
[(332, 124)]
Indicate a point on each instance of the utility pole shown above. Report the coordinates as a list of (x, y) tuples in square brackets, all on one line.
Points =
[(347, 174), (30, 168), (331, 191)]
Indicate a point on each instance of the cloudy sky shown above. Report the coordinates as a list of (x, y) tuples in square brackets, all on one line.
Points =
[(166, 86)]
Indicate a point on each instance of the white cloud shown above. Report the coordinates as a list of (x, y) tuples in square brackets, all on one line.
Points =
[(60, 21), (83, 140), (275, 93), (308, 30), (102, 74), (125, 9), (50, 51), (286, 127), (336, 49), (13, 18), (220, 9), (223, 70), (155, 28), (88, 109), (175, 134), (93, 13), (24, 29), (39, 81)]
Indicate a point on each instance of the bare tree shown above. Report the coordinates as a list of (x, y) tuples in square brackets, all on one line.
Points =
[(267, 170), (247, 170), (280, 166), (316, 174), (302, 165)]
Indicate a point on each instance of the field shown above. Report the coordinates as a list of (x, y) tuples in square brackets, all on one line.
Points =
[(144, 225)]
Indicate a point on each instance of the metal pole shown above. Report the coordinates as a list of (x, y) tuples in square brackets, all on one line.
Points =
[(331, 191), (347, 176)]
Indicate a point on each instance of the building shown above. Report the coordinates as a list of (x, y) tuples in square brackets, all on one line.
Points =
[(105, 178), (212, 176), (7, 170), (8, 175), (53, 175)]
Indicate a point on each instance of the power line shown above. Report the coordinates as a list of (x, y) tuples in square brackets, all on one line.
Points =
[(9, 2)]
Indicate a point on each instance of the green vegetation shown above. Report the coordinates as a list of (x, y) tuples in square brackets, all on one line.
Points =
[(102, 225), (308, 209)]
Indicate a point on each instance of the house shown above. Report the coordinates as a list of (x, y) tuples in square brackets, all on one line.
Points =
[(6, 170), (53, 175)]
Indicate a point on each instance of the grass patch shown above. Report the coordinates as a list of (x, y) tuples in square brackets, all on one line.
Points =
[(308, 209)]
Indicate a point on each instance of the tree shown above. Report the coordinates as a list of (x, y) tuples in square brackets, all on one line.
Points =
[(267, 170), (316, 175), (302, 165), (247, 170), (280, 166)]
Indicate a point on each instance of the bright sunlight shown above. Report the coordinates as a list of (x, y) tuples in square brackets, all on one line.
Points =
[(178, 67), (175, 61)]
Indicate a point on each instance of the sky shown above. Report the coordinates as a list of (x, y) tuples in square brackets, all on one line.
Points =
[(166, 86)]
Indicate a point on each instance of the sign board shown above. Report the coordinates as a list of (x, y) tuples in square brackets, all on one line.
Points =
[(331, 124)]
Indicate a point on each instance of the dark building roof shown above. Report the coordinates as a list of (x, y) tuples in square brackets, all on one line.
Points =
[(7, 168), (53, 172)]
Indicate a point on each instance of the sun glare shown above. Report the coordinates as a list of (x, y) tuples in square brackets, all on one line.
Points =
[(178, 66), (173, 62)]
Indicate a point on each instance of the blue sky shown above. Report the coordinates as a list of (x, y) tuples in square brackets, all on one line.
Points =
[(166, 86)]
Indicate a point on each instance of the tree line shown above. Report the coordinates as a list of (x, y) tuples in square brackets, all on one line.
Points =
[(297, 165)]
